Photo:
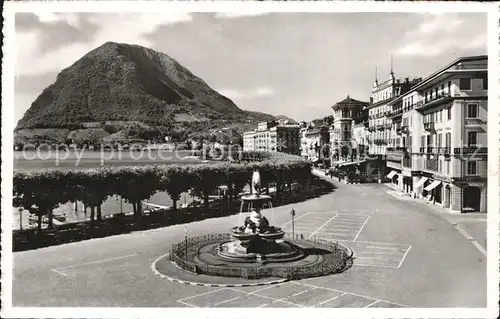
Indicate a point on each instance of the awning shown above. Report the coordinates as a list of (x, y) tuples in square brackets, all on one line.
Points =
[(391, 174), (351, 163), (421, 182), (432, 185)]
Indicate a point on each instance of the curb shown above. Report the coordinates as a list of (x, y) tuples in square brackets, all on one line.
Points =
[(192, 283)]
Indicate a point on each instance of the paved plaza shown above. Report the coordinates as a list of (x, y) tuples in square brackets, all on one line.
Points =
[(405, 255)]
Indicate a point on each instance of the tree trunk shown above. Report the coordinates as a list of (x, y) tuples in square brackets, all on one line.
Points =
[(92, 215), (51, 218), (40, 220), (205, 202), (99, 212)]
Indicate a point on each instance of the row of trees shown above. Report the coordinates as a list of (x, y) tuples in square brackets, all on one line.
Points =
[(41, 192)]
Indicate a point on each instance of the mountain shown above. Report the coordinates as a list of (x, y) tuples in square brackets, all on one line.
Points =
[(121, 83)]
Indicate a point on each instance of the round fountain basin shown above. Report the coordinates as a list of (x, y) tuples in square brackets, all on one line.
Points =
[(272, 236), (242, 236)]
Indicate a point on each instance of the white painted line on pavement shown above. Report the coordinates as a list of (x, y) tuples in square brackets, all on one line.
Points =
[(60, 273), (300, 293), (187, 304), (58, 270), (470, 238), (222, 302), (323, 225), (199, 295), (328, 300), (363, 226), (404, 256), (368, 306)]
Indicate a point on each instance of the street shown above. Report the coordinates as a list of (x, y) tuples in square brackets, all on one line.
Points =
[(406, 255)]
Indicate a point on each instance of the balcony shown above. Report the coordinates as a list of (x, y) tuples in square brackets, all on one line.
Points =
[(404, 129), (395, 113), (398, 131), (438, 100), (444, 150), (470, 150), (429, 126), (380, 127), (388, 126), (431, 165)]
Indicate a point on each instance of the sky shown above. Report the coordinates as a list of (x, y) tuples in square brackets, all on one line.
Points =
[(293, 64)]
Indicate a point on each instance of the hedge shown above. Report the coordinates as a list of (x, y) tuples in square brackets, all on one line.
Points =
[(40, 192)]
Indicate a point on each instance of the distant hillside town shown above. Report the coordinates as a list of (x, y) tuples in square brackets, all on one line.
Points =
[(427, 137)]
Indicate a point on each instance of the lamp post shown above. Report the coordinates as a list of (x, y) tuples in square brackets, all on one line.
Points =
[(293, 222), (186, 242), (20, 218)]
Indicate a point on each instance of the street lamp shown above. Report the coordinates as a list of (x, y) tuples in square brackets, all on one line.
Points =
[(186, 242), (293, 222), (20, 218)]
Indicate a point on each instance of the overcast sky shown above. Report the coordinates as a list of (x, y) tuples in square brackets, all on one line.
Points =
[(295, 64)]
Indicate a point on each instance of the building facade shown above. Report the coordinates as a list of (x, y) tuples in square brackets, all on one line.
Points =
[(341, 132), (440, 141), (273, 137)]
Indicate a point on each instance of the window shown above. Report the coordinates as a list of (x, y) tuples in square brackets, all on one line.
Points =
[(472, 111), (422, 141), (465, 84), (449, 87), (471, 138), (471, 168), (448, 139), (436, 93), (442, 88), (439, 166), (441, 116), (440, 139), (485, 83), (449, 113)]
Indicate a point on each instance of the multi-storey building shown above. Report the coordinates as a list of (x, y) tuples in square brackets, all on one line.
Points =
[(248, 140), (341, 132), (273, 137), (441, 141), (318, 144), (304, 143), (380, 120)]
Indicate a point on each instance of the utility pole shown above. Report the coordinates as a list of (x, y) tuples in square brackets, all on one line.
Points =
[(293, 222)]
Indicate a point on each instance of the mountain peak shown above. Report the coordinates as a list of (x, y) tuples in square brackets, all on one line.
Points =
[(127, 82)]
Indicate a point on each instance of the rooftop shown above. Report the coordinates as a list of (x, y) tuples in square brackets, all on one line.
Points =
[(349, 102)]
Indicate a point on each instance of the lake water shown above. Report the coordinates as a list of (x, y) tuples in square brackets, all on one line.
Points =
[(36, 160)]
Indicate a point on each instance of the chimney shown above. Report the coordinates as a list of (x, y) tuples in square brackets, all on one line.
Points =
[(407, 80), (371, 100)]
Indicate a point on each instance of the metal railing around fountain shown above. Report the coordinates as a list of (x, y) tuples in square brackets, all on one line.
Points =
[(178, 255)]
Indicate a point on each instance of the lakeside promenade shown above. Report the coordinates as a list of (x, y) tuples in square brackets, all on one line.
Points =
[(405, 255)]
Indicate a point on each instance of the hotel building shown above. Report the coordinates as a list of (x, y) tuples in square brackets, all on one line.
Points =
[(437, 146), (273, 137)]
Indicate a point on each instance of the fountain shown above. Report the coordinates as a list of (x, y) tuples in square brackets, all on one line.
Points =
[(256, 239), (255, 249)]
